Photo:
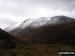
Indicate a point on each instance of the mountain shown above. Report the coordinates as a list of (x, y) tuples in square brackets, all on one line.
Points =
[(34, 23), (58, 29), (7, 40)]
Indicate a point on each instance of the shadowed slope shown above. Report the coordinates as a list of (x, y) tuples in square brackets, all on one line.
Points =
[(7, 40), (50, 33)]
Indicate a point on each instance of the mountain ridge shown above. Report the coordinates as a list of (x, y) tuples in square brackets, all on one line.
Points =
[(39, 22), (63, 31)]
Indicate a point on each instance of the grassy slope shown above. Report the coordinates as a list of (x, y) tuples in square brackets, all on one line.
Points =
[(36, 50), (67, 30), (60, 33)]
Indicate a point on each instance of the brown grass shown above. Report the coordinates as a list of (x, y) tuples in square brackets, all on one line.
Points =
[(36, 50)]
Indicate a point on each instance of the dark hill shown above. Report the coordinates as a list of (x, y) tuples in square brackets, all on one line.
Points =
[(61, 33), (7, 40), (51, 33)]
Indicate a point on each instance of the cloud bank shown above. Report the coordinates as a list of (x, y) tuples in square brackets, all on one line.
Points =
[(15, 11)]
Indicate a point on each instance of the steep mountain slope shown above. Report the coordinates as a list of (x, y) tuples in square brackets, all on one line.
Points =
[(58, 29), (39, 22), (7, 40)]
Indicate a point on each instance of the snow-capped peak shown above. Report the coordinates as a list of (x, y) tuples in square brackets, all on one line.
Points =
[(34, 23)]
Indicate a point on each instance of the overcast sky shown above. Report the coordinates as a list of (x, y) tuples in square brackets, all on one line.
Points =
[(16, 11)]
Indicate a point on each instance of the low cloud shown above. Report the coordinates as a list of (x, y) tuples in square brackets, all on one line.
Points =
[(19, 10)]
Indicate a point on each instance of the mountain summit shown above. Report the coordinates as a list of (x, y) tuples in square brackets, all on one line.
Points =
[(34, 23), (58, 29)]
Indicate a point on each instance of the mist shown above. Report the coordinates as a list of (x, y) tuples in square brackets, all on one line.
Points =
[(16, 11)]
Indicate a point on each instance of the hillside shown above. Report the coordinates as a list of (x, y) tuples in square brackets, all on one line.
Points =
[(37, 50), (35, 23), (62, 32), (7, 40), (43, 37)]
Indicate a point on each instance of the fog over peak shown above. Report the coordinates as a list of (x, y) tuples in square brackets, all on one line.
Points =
[(19, 10)]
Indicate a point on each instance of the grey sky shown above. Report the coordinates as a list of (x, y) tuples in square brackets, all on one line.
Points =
[(16, 11)]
